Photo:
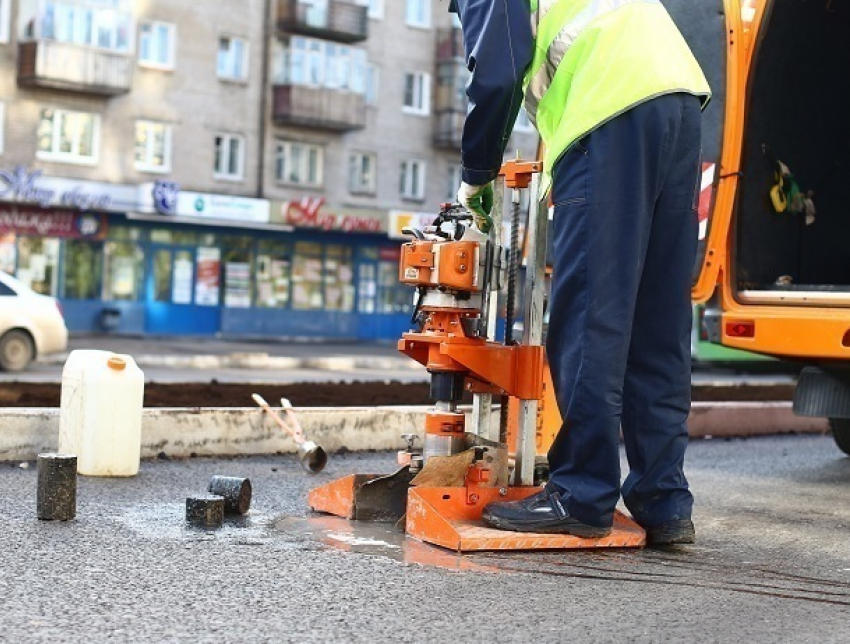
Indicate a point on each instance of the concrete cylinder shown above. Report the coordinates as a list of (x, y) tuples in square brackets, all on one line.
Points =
[(205, 511), (57, 487), (236, 492)]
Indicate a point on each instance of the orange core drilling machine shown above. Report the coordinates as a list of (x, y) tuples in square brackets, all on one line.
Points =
[(440, 492)]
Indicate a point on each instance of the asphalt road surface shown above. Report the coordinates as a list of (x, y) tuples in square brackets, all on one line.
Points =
[(772, 563)]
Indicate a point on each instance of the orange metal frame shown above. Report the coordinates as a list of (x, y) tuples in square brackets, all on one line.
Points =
[(442, 345), (446, 517)]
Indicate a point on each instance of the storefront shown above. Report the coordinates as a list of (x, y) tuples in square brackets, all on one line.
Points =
[(153, 259)]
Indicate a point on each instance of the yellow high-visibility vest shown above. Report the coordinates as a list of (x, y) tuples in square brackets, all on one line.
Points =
[(595, 59)]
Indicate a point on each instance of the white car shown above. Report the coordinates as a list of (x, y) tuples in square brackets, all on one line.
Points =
[(30, 325)]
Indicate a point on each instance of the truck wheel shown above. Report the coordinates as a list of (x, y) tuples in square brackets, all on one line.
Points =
[(841, 433), (16, 350)]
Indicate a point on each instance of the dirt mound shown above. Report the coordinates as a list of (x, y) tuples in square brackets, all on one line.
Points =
[(324, 394)]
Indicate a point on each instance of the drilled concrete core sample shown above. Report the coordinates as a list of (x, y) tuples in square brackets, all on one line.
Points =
[(57, 487), (205, 511), (236, 492)]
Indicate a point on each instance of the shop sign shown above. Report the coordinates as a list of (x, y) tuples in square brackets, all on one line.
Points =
[(29, 221), (195, 204), (166, 198), (399, 220), (31, 187), (311, 212)]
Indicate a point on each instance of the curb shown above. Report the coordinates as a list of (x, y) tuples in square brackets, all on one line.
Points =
[(258, 361), (182, 433)]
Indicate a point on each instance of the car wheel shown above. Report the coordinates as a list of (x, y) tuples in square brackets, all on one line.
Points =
[(16, 350), (841, 433)]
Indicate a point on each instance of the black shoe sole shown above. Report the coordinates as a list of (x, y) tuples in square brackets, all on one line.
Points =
[(674, 534), (583, 531)]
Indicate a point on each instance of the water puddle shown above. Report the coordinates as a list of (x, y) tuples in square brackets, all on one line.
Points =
[(374, 539), (167, 521)]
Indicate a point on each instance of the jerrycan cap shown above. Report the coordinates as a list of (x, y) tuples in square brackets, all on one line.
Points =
[(117, 363)]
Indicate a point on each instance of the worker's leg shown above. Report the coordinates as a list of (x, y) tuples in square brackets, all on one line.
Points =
[(604, 203), (657, 392)]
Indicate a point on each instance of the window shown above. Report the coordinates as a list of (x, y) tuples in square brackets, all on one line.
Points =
[(273, 272), (68, 136), (452, 79), (339, 278), (319, 63), (455, 176), (417, 93), (229, 156), (361, 174), (38, 264), (307, 277), (372, 82), (376, 9), (156, 45), (238, 257), (82, 269), (5, 10), (124, 265), (322, 277), (394, 297), (232, 58), (412, 182), (299, 163), (419, 13), (100, 27), (153, 147), (367, 286)]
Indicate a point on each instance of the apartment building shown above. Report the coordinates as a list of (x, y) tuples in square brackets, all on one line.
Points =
[(240, 167)]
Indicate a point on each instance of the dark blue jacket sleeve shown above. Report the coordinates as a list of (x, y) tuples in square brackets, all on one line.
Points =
[(499, 47)]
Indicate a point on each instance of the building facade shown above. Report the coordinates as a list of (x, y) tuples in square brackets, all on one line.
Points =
[(237, 168)]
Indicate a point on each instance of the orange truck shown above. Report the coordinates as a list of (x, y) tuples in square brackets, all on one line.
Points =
[(774, 264)]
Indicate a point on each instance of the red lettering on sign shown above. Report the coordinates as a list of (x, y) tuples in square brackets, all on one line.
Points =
[(310, 213), (49, 223)]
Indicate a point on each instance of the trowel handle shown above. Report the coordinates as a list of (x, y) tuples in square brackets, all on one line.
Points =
[(297, 436), (290, 414)]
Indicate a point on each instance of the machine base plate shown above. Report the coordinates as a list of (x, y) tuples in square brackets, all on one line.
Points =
[(445, 517)]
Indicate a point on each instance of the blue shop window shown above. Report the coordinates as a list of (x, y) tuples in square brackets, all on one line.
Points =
[(394, 297), (83, 270), (273, 273), (124, 271), (322, 277)]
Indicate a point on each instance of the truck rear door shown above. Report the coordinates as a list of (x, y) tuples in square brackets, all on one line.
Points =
[(713, 30)]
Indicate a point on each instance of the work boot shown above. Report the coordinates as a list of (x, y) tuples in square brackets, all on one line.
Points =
[(542, 512), (675, 532)]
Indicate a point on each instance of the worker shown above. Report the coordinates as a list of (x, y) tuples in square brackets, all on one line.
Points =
[(616, 95)]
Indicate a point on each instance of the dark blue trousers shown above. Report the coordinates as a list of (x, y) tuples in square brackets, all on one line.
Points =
[(620, 313)]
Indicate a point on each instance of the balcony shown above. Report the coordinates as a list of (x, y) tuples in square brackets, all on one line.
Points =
[(448, 129), (57, 65), (339, 20), (449, 45), (319, 107), (450, 101)]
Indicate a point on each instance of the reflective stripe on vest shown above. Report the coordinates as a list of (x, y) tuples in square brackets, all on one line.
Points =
[(556, 24)]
